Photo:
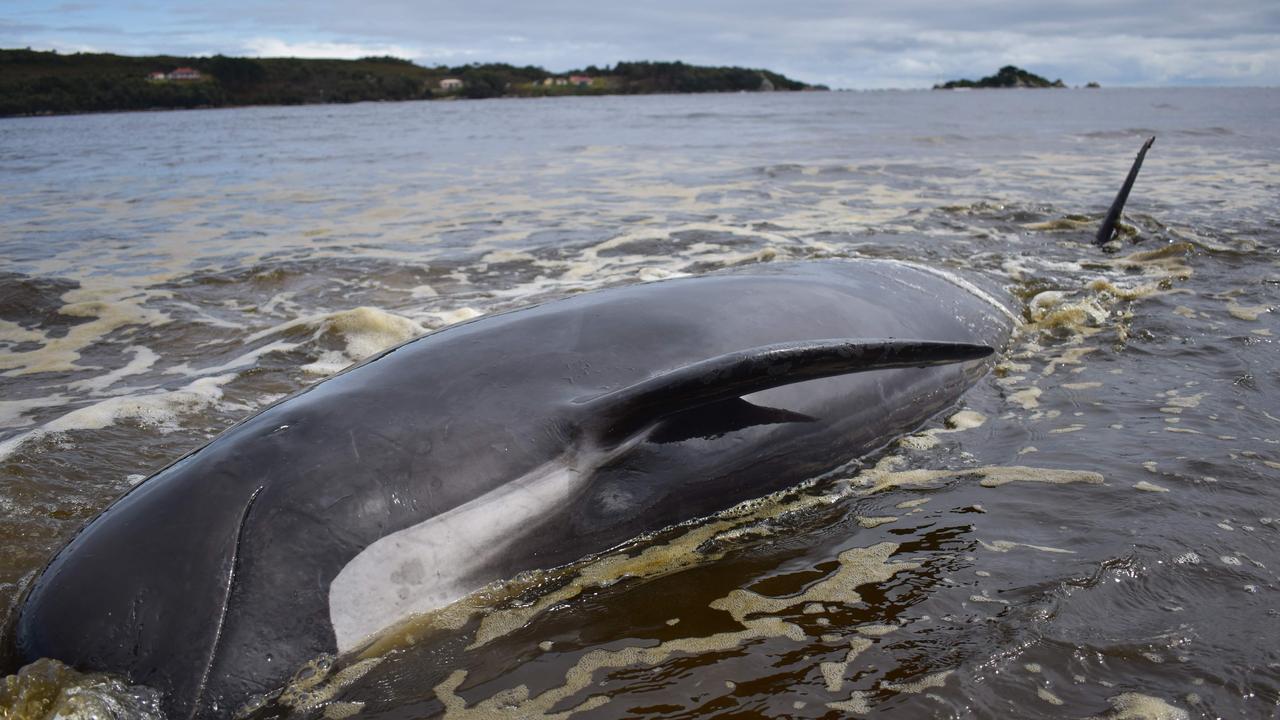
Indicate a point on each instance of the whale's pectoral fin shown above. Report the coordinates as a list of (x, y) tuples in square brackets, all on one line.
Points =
[(622, 413), (720, 418)]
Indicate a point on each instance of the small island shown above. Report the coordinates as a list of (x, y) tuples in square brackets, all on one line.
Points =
[(1007, 77), (35, 82)]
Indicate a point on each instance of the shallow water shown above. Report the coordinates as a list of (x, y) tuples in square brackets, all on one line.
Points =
[(1094, 536)]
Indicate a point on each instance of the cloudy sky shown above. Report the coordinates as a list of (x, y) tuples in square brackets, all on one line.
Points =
[(867, 44)]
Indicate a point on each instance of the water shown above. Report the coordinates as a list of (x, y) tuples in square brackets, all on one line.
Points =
[(1095, 532)]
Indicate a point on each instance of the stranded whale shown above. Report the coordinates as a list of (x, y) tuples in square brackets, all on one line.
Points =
[(512, 442)]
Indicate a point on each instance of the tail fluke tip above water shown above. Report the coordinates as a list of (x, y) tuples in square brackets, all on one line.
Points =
[(1108, 228)]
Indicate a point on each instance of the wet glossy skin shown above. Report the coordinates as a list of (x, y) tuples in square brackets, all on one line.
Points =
[(281, 502)]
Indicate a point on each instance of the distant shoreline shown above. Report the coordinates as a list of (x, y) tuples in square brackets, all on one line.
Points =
[(39, 84)]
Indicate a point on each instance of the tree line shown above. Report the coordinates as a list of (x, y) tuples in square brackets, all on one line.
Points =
[(36, 82)]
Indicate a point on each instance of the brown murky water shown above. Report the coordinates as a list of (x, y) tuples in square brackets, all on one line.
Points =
[(1092, 533)]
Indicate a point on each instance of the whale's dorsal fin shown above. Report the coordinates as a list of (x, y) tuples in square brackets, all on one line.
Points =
[(1108, 227), (628, 410)]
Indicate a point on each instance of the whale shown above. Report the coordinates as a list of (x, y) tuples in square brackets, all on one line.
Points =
[(513, 442)]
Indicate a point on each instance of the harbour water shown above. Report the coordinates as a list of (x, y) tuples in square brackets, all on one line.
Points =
[(1092, 532)]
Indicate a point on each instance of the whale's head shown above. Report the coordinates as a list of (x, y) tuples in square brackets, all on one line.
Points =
[(141, 590), (205, 582)]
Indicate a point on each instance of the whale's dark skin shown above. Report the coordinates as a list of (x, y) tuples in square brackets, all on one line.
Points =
[(211, 580)]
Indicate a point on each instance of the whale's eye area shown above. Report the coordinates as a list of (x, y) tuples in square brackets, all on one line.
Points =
[(614, 499)]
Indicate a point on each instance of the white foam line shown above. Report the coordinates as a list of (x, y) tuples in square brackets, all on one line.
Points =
[(11, 411), (144, 358), (158, 409), (242, 361)]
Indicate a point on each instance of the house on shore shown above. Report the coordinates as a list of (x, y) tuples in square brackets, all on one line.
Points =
[(555, 81), (179, 75), (580, 80), (451, 83)]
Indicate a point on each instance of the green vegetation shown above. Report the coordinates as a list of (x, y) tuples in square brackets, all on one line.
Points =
[(1007, 77), (37, 83), (651, 77)]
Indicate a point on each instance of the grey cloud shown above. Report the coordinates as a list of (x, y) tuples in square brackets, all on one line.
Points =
[(11, 28)]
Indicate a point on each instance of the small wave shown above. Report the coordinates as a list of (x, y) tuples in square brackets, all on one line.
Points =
[(103, 311), (944, 139), (1117, 134), (157, 410), (364, 332), (780, 170), (49, 690), (344, 337), (1205, 132), (31, 302), (697, 116), (920, 171)]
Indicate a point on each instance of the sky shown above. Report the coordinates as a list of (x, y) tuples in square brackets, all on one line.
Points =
[(843, 44)]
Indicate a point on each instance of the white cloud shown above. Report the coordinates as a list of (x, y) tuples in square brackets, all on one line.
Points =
[(275, 47)]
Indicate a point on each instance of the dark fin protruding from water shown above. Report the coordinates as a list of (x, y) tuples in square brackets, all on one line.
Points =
[(624, 412), (1108, 228)]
